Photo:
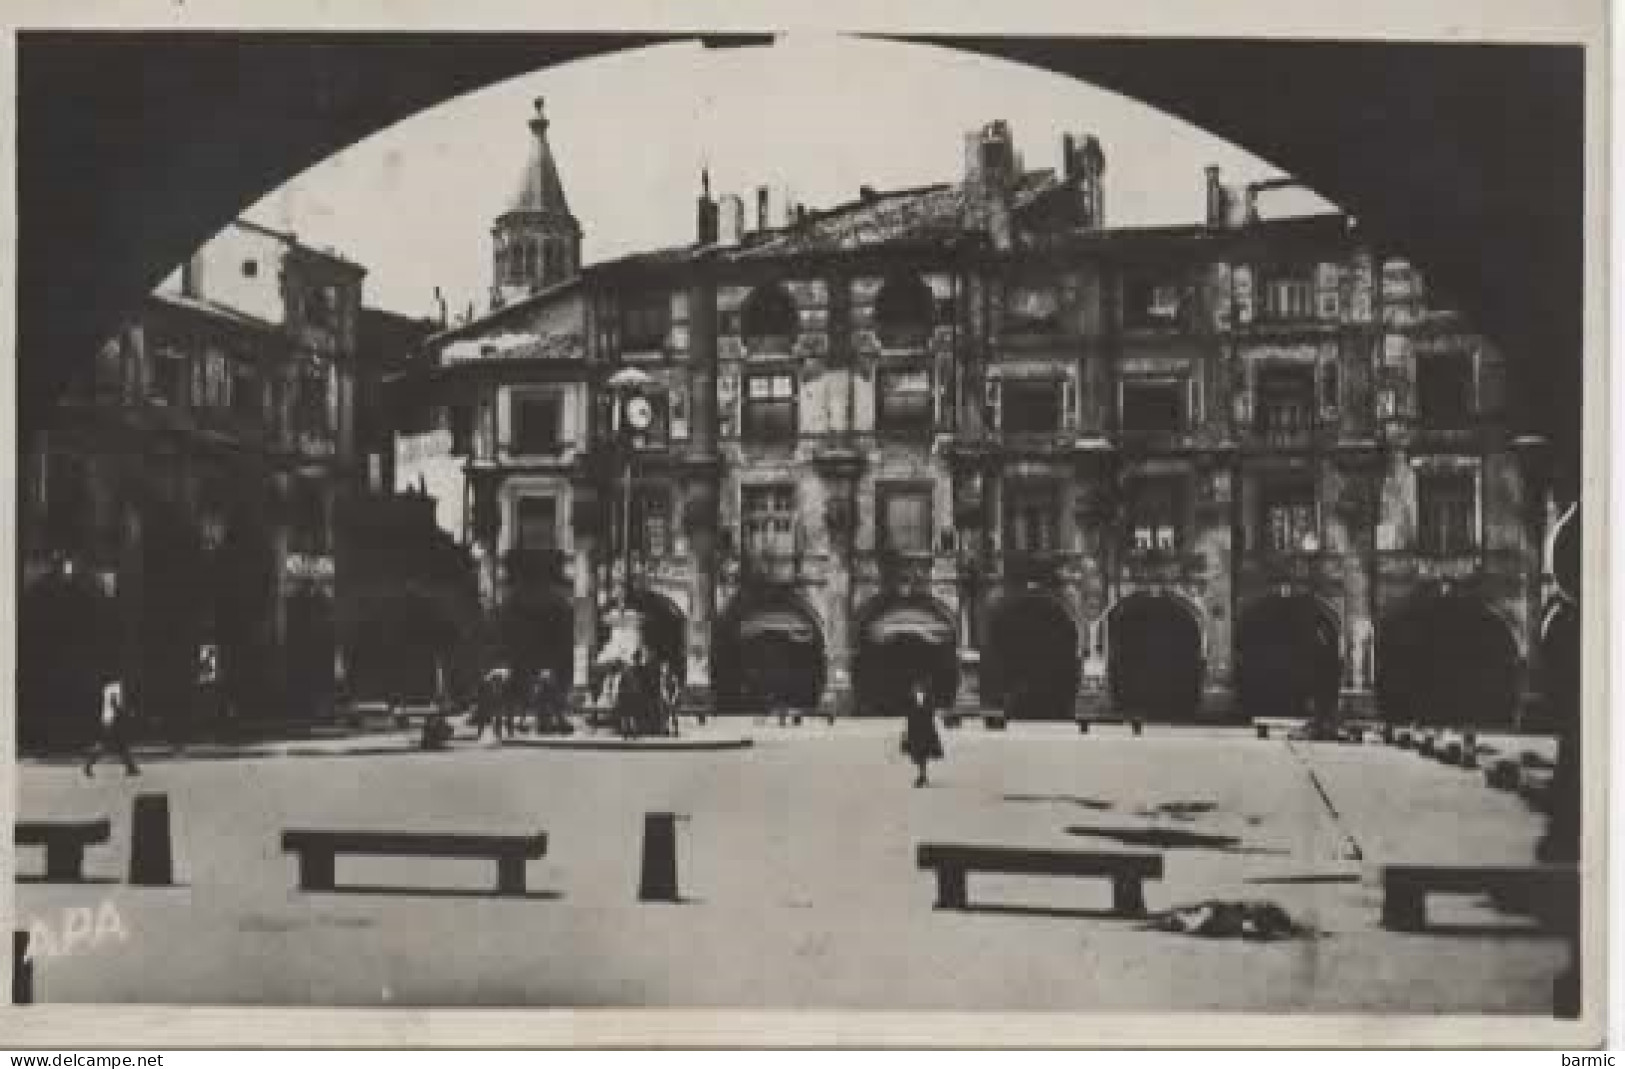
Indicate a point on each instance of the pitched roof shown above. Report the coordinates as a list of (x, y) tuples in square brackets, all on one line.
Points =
[(539, 189)]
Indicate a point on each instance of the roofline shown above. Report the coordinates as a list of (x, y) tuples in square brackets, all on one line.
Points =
[(473, 326), (213, 310), (294, 242)]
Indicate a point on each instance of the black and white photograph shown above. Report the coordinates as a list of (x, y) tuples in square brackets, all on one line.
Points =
[(812, 520)]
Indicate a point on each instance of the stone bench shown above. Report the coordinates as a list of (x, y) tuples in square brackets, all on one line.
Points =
[(64, 842), (952, 862), (317, 849), (1405, 887)]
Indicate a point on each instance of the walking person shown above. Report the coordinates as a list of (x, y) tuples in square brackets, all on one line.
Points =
[(671, 694), (488, 703), (629, 698), (920, 739), (112, 735)]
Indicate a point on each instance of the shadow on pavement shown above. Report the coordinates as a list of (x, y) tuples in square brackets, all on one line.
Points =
[(1173, 839)]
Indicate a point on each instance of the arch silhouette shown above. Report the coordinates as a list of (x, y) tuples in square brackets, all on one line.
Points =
[(1448, 659), (1030, 657), (1154, 657), (1289, 659), (767, 319), (750, 671), (127, 138), (882, 670), (905, 310)]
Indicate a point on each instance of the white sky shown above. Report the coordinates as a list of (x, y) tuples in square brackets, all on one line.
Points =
[(819, 115)]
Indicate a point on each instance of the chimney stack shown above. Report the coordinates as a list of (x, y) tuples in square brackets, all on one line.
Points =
[(1215, 198), (762, 221), (731, 219), (867, 194)]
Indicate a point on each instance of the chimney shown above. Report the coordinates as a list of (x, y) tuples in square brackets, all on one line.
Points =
[(731, 219), (1215, 198), (989, 180), (867, 194), (762, 221), (1069, 157), (440, 304), (706, 212)]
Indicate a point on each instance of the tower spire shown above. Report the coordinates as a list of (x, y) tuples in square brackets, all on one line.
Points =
[(536, 241)]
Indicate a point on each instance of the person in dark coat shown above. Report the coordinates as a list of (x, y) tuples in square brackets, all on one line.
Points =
[(920, 739)]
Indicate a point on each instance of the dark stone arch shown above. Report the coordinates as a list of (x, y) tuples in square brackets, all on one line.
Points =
[(1288, 657), (1448, 659), (899, 642), (768, 319), (905, 310), (1030, 660), (1154, 657), (768, 647)]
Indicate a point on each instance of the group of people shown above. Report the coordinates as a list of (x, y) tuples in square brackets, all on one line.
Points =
[(644, 696), (506, 698)]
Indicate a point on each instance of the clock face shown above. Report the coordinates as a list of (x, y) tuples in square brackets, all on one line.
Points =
[(639, 413)]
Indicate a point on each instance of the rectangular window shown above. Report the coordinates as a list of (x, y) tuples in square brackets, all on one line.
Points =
[(768, 520), (644, 324), (1285, 407), (1030, 406), (536, 523), (904, 404), (770, 407), (536, 424), (905, 518), (1032, 515), (1032, 309), (169, 373), (1154, 405), (1444, 390), (1289, 298), (1289, 523), (651, 521), (1447, 513), (1154, 514)]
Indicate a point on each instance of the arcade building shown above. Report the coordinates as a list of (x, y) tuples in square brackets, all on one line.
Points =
[(176, 519), (972, 433)]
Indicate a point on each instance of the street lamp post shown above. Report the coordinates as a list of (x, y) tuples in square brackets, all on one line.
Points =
[(632, 415)]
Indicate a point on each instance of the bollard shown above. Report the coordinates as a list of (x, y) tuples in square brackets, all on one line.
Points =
[(658, 880), (1083, 727), (22, 971), (1469, 750), (151, 860), (1139, 726), (1263, 730)]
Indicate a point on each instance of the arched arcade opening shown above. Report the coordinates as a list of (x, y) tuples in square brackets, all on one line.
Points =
[(1030, 667), (1448, 659), (1288, 658), (765, 652), (900, 642), (1154, 658)]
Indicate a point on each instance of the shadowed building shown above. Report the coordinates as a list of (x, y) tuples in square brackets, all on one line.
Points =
[(186, 490)]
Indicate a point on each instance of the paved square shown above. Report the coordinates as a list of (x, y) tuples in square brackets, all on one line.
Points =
[(796, 864)]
